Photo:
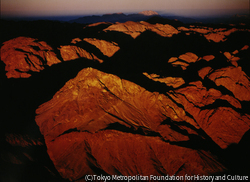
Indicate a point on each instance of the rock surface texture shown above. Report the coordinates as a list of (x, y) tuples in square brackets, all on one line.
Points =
[(135, 98), (24, 54)]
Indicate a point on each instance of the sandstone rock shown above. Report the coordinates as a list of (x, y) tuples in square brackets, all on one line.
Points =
[(208, 57), (245, 47), (76, 40), (85, 109), (183, 65), (135, 28), (107, 48), (189, 57), (111, 99), (200, 30), (172, 59), (70, 52), (131, 28), (216, 37), (119, 153), (183, 29), (183, 60), (220, 35), (235, 80), (232, 58), (164, 30), (204, 72), (228, 55), (235, 52), (24, 54), (222, 131), (169, 81), (118, 121)]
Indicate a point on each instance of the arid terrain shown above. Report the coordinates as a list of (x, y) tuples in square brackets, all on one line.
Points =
[(154, 97)]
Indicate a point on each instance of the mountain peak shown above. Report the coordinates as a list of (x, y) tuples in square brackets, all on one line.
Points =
[(148, 13)]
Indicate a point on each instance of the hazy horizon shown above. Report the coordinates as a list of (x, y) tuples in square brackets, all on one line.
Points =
[(74, 8)]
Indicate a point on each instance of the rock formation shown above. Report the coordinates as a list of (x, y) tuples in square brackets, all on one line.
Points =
[(135, 29), (129, 98), (24, 54)]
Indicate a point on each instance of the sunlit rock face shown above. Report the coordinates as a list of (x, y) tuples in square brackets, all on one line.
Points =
[(24, 54), (135, 98), (134, 29), (111, 119)]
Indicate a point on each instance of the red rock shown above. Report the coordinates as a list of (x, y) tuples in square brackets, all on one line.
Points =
[(172, 59), (235, 52), (116, 153), (216, 37), (183, 60), (220, 35), (111, 99), (204, 72), (235, 80), (79, 114), (76, 40), (131, 28), (100, 123), (175, 82), (228, 55), (245, 47), (107, 48), (135, 28), (208, 57), (189, 57), (24, 54), (70, 52), (224, 125)]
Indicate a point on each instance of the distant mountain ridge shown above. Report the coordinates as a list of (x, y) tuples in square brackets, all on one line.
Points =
[(116, 17), (148, 13)]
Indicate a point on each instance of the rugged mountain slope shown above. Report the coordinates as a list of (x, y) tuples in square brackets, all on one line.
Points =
[(130, 98)]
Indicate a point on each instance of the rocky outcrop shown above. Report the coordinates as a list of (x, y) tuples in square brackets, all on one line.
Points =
[(22, 55), (107, 48), (71, 52), (115, 152), (95, 105), (215, 35), (174, 82), (235, 80), (183, 60), (125, 103), (134, 29)]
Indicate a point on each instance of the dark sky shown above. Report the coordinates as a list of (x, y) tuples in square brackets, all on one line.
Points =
[(87, 7)]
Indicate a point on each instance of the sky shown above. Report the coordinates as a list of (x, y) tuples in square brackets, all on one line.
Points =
[(22, 8)]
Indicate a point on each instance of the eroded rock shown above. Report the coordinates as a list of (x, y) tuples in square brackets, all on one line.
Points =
[(24, 54), (107, 48), (135, 28), (71, 52)]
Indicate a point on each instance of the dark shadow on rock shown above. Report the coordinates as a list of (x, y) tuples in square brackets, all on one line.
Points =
[(237, 156), (19, 100)]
